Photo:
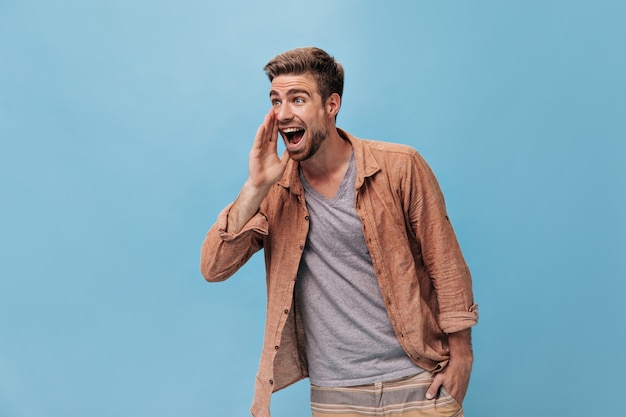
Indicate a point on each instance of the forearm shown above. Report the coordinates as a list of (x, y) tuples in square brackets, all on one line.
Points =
[(245, 207), (237, 234), (265, 168), (460, 344)]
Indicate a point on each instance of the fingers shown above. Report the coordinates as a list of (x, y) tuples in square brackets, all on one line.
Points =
[(268, 130), (434, 387), (268, 124), (260, 134), (271, 126), (274, 126), (266, 134)]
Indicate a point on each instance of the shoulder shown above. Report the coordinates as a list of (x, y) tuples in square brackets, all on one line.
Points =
[(393, 154), (396, 149), (390, 157)]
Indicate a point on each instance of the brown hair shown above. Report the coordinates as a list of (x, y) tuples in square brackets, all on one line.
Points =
[(327, 72)]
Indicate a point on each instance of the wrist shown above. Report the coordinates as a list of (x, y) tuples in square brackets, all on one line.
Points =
[(252, 188), (460, 344)]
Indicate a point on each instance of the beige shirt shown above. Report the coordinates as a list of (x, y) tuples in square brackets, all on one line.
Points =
[(424, 279)]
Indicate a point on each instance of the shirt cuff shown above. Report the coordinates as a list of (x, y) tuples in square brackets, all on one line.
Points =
[(257, 223), (458, 320)]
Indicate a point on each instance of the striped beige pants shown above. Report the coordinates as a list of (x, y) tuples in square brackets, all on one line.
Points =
[(405, 397)]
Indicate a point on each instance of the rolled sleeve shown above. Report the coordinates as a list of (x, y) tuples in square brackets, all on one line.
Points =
[(459, 320), (224, 253), (258, 223)]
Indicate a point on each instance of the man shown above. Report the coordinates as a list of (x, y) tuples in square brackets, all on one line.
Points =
[(368, 292)]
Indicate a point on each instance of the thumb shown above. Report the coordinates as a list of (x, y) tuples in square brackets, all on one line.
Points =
[(434, 387), (285, 158)]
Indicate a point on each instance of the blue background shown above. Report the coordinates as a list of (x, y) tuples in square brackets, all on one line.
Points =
[(125, 128)]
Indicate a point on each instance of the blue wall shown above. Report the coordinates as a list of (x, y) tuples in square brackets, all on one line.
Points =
[(125, 128)]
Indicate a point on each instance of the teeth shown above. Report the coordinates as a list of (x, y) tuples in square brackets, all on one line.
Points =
[(291, 129)]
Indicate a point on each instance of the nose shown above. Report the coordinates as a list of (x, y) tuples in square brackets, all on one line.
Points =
[(284, 113)]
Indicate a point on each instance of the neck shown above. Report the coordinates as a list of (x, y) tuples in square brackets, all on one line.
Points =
[(331, 158)]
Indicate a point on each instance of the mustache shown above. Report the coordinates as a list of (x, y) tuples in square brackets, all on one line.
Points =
[(291, 122)]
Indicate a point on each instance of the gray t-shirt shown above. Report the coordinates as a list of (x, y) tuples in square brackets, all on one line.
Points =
[(349, 337)]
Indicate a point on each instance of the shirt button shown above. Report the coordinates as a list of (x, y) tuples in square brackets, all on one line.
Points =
[(306, 217), (271, 382), (286, 311), (301, 247), (276, 347)]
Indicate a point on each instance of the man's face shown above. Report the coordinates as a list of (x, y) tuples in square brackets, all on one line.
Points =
[(302, 119)]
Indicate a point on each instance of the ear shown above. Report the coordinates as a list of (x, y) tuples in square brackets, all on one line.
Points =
[(333, 104)]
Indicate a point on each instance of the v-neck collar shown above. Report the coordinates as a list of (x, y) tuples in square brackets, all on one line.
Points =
[(347, 183)]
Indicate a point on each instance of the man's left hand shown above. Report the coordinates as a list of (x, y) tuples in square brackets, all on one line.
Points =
[(455, 377)]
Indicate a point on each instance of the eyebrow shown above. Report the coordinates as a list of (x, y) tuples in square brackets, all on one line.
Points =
[(292, 92)]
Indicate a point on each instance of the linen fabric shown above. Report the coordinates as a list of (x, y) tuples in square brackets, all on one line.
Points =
[(424, 280)]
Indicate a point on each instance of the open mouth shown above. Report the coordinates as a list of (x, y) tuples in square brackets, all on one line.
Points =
[(292, 135)]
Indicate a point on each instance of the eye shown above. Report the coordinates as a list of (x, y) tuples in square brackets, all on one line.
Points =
[(275, 103), (298, 100)]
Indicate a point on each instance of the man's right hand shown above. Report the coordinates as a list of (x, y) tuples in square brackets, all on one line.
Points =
[(265, 168)]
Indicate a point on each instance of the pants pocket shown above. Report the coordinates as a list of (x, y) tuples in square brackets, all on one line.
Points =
[(446, 405)]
